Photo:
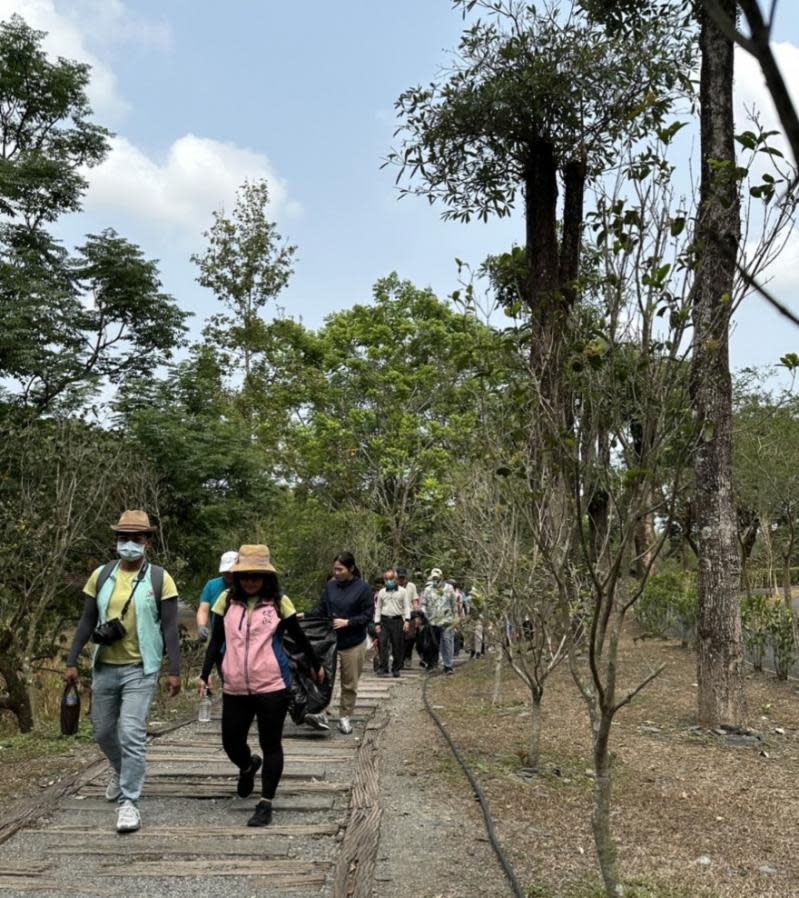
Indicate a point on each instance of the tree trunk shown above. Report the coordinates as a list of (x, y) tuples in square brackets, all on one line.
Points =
[(645, 540), (720, 652), (572, 240), (787, 593), (17, 699), (786, 582), (600, 813), (497, 673), (644, 537), (541, 242), (747, 539), (534, 746)]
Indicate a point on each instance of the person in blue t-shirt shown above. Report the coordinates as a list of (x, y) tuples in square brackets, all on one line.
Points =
[(211, 592)]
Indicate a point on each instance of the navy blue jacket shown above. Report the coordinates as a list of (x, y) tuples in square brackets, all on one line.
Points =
[(352, 600)]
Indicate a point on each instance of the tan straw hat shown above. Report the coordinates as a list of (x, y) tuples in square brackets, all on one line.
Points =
[(135, 521), (255, 560)]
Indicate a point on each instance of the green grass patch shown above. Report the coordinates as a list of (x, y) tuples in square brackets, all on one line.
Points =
[(45, 740)]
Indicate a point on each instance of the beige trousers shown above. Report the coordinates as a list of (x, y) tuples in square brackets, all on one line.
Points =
[(350, 667)]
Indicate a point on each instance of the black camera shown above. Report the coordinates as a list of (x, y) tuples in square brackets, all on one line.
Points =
[(110, 632)]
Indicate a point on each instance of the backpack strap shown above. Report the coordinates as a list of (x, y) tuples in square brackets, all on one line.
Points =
[(156, 579), (105, 572)]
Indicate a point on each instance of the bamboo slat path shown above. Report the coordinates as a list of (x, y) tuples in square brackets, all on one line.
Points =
[(194, 840)]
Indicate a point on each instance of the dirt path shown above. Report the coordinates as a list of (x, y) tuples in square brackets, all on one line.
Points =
[(432, 839)]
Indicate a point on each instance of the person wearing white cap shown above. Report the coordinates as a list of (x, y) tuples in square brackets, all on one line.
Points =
[(438, 599), (212, 590)]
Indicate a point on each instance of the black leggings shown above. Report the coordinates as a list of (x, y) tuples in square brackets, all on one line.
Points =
[(238, 712)]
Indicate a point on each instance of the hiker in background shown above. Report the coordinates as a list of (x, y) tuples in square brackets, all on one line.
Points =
[(476, 634), (460, 615), (413, 600), (131, 614), (392, 620), (250, 618), (211, 592), (438, 599), (348, 601)]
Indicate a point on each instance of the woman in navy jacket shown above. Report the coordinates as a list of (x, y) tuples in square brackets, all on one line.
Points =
[(348, 601)]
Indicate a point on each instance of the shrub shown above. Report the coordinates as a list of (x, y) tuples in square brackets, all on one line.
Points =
[(669, 605), (755, 615), (782, 637)]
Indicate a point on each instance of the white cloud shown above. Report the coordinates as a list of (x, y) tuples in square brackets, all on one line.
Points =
[(78, 29), (198, 176), (110, 21)]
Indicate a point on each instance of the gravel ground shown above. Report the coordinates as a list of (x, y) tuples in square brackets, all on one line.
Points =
[(432, 838)]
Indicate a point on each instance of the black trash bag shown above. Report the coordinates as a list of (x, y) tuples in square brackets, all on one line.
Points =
[(308, 697), (70, 710), (427, 644)]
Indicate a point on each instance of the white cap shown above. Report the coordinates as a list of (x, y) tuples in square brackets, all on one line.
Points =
[(436, 572), (227, 561)]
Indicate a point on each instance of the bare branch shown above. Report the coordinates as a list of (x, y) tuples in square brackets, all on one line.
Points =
[(642, 685)]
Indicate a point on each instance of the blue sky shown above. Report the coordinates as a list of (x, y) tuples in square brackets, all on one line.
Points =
[(202, 94)]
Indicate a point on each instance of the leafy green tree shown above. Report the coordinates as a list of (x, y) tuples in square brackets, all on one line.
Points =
[(109, 321), (395, 407), (766, 437), (47, 136), (246, 266), (535, 98), (68, 322), (62, 482), (214, 481)]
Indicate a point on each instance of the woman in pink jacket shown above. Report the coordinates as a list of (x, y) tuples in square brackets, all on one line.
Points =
[(250, 619)]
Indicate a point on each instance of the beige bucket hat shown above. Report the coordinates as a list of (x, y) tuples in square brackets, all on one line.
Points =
[(134, 521), (255, 559)]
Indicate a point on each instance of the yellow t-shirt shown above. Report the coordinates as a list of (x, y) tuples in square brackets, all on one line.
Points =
[(126, 651), (286, 605)]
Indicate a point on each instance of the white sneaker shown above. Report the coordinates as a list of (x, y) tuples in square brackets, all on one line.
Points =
[(344, 725), (112, 790), (128, 818)]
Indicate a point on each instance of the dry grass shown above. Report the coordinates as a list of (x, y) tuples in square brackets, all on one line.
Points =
[(678, 796)]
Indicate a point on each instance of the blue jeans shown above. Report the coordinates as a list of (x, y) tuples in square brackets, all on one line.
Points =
[(446, 644), (121, 699)]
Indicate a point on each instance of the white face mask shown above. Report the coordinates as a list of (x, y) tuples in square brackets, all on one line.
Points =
[(130, 551)]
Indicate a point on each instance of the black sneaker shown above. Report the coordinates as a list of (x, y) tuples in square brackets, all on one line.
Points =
[(247, 777), (262, 815), (396, 673), (448, 671)]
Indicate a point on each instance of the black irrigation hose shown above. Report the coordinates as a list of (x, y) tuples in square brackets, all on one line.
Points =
[(518, 891)]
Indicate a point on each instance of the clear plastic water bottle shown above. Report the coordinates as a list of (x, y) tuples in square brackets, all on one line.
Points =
[(205, 708)]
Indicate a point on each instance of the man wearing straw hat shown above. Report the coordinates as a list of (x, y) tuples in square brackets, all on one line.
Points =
[(131, 614)]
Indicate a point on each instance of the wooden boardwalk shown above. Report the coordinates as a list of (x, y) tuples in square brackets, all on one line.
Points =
[(194, 840)]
